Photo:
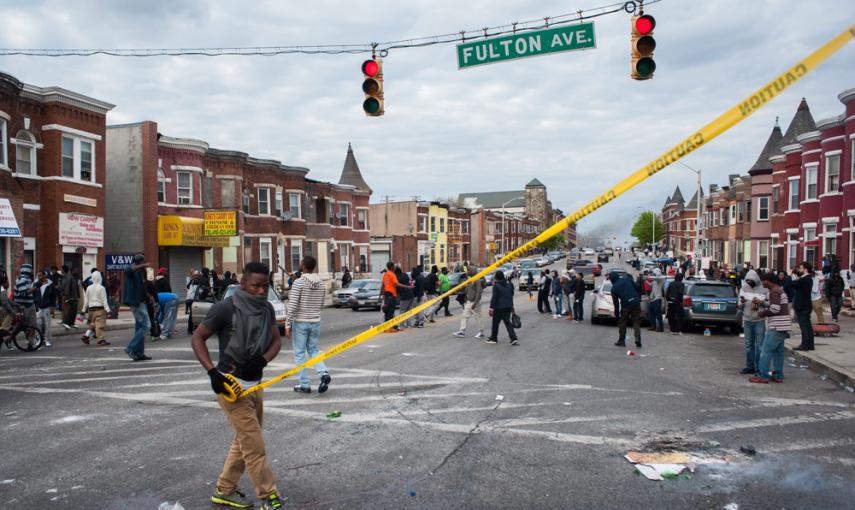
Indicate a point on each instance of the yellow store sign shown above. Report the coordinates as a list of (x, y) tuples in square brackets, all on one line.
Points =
[(183, 231), (220, 223)]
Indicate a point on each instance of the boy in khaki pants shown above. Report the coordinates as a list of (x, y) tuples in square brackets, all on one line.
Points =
[(96, 307)]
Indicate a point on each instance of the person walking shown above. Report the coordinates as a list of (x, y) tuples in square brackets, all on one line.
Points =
[(444, 286), (544, 288), (43, 300), (529, 284), (346, 277), (674, 297), (802, 286), (834, 286), (472, 304), (568, 282), (96, 308), (168, 308), (418, 282), (850, 284), (557, 294), (627, 302), (431, 288), (656, 282), (579, 298), (778, 325), (406, 296), (303, 323), (191, 291), (501, 308), (136, 298), (752, 297), (245, 325), (70, 289)]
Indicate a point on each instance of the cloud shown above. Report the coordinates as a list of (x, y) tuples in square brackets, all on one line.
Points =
[(576, 121)]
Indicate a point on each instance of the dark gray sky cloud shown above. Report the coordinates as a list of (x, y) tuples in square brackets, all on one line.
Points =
[(575, 120)]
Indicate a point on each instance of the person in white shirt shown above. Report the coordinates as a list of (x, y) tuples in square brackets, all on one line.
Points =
[(96, 308), (816, 297)]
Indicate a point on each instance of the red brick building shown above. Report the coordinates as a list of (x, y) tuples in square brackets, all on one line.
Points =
[(52, 177), (679, 219)]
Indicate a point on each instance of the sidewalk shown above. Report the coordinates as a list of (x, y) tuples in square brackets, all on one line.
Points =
[(125, 322), (834, 356)]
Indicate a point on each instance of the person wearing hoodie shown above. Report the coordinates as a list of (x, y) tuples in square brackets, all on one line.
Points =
[(674, 297), (418, 281), (544, 288), (161, 281), (579, 288), (557, 296), (627, 302), (406, 296), (303, 317), (501, 308), (472, 304), (654, 311), (44, 299), (834, 286), (96, 308), (752, 297)]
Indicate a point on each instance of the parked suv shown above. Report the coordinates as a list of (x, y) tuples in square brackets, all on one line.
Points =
[(712, 303)]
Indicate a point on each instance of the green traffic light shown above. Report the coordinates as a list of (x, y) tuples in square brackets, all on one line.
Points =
[(371, 106), (645, 66)]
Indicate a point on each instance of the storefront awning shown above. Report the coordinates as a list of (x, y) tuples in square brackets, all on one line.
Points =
[(8, 224), (183, 231)]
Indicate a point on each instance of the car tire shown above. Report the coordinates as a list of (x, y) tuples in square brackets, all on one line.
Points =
[(595, 320), (734, 329), (354, 308)]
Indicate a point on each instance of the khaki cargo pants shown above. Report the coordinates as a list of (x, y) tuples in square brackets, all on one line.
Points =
[(98, 322), (247, 449)]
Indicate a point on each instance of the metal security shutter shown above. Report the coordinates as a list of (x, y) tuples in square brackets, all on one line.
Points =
[(180, 261), (379, 260)]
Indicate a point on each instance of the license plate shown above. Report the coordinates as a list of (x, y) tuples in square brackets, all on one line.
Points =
[(361, 302), (713, 307)]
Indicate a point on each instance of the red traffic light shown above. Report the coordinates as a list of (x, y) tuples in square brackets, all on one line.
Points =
[(370, 68), (645, 24)]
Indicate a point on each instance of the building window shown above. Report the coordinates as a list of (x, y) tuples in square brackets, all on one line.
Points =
[(344, 214), (792, 250), (227, 193), (851, 153), (763, 209), (441, 255), (776, 196), (465, 226), (294, 205), (810, 250), (67, 157), (363, 259), (832, 173), (161, 186), (733, 213), (362, 219), (296, 255), (433, 224), (810, 182), (422, 223), (794, 194), (263, 201), (25, 153), (245, 202), (441, 225), (851, 240), (344, 255), (3, 162), (278, 203), (763, 254), (86, 167), (265, 247), (829, 244), (185, 188)]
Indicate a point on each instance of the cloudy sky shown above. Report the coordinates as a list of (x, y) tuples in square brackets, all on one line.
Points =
[(576, 121)]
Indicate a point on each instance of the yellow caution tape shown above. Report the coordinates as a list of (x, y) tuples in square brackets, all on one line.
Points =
[(692, 143)]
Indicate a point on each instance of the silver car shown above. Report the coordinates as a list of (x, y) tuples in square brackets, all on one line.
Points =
[(342, 296), (602, 307), (200, 307)]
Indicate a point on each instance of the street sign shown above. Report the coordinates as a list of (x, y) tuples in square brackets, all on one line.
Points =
[(526, 44), (220, 223)]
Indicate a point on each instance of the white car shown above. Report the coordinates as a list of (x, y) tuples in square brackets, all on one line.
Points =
[(200, 308), (588, 251), (542, 261)]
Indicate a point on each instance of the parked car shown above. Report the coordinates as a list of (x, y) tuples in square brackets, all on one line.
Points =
[(588, 252), (527, 265), (542, 262), (602, 257), (201, 306), (509, 270), (577, 263), (712, 303), (609, 251), (602, 306), (342, 296), (366, 297)]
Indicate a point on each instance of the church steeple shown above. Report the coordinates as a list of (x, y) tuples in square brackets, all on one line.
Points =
[(350, 174)]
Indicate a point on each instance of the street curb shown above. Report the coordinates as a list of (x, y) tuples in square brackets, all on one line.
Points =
[(62, 332), (834, 372)]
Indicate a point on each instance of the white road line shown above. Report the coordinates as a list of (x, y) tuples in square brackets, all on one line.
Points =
[(809, 445), (519, 422), (783, 402), (92, 371), (773, 422), (205, 382), (594, 388)]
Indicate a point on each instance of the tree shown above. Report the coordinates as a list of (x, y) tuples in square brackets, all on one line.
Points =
[(553, 243), (642, 228)]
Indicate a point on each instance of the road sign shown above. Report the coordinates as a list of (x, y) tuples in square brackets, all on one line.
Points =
[(526, 44)]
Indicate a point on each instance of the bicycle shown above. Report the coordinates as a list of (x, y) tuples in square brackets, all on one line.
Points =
[(25, 337)]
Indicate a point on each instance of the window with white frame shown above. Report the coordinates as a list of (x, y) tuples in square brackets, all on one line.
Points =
[(87, 167), (851, 240), (465, 226), (832, 173), (265, 246), (263, 196), (794, 194), (3, 161), (763, 209), (829, 244), (296, 254), (792, 250), (344, 255), (25, 153), (295, 205), (740, 212), (344, 214), (763, 254), (78, 159), (422, 223), (776, 198), (245, 202), (184, 186), (278, 203), (810, 250), (161, 186), (362, 219), (442, 225), (67, 157), (732, 218), (810, 181), (852, 156), (433, 224)]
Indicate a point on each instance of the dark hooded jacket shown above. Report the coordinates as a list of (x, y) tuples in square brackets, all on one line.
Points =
[(625, 292)]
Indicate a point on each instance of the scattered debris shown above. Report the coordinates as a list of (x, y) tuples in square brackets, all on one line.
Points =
[(657, 458), (166, 505), (850, 389), (75, 487), (500, 397), (707, 332), (731, 506), (748, 450), (333, 415), (803, 366), (630, 353), (51, 491), (7, 482), (412, 494), (10, 413), (791, 359), (792, 365), (823, 377), (403, 394)]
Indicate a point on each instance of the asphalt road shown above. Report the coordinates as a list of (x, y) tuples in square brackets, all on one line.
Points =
[(422, 425)]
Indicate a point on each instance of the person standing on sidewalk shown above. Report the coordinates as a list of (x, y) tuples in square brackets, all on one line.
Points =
[(544, 287), (579, 298), (656, 282), (501, 308), (444, 285), (406, 297), (627, 302), (245, 325), (418, 294), (161, 281), (70, 297), (802, 286), (778, 325), (752, 296), (834, 286), (135, 296), (674, 297), (303, 323), (472, 304), (557, 296), (817, 286), (346, 277), (44, 299), (431, 289), (568, 282), (96, 307)]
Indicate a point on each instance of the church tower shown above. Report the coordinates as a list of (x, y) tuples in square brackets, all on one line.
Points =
[(536, 203)]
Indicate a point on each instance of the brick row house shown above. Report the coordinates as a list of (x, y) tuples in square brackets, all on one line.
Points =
[(726, 224), (52, 177), (168, 183), (679, 220)]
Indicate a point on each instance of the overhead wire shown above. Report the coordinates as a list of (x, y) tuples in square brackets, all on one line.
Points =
[(383, 48)]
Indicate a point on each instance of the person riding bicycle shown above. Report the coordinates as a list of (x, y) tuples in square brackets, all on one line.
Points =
[(23, 295)]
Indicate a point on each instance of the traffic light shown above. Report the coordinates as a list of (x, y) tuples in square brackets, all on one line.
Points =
[(372, 86), (643, 44)]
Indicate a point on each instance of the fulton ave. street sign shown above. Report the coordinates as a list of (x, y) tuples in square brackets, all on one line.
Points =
[(526, 44)]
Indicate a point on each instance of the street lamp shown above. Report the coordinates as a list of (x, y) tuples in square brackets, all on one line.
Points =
[(333, 246), (504, 236), (698, 207)]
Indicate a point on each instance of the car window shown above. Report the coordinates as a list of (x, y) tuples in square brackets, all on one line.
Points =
[(231, 290), (607, 287), (272, 296), (358, 284), (372, 286), (712, 291)]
